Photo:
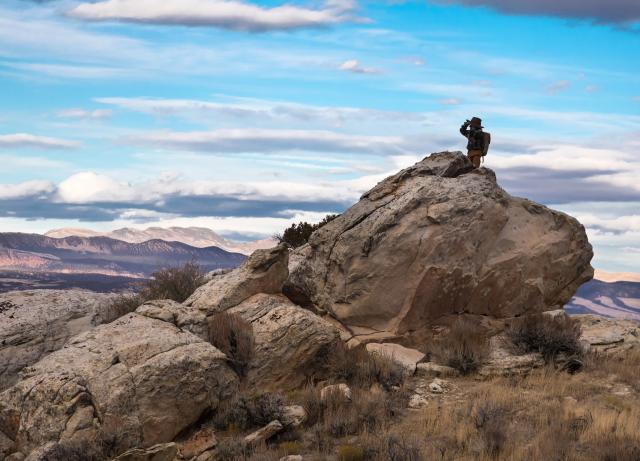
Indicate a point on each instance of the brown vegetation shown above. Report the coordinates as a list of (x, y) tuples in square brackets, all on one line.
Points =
[(361, 369), (175, 283), (464, 348), (234, 336), (546, 334)]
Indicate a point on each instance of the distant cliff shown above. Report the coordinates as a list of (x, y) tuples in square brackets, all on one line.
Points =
[(103, 255)]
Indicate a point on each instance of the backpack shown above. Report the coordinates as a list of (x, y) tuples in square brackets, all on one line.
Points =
[(486, 140)]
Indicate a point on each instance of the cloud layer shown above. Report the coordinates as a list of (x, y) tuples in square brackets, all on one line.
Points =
[(26, 140), (226, 14), (603, 11)]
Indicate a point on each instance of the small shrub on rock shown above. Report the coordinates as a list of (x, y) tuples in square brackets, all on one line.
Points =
[(550, 336), (298, 234), (234, 336), (176, 283), (465, 347)]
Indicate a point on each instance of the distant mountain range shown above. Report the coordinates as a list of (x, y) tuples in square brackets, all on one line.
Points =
[(619, 299), (199, 237), (104, 255)]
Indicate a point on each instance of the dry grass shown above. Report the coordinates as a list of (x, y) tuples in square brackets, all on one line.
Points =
[(550, 336), (464, 348), (176, 283), (234, 336), (361, 369)]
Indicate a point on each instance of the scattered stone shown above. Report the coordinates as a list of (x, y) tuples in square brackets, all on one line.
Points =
[(264, 434), (437, 239), (197, 443), (291, 458), (430, 369), (337, 388), (265, 271), (437, 386), (293, 416), (502, 362), (159, 452), (406, 357)]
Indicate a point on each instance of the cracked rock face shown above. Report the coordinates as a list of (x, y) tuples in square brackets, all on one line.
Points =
[(37, 322), (436, 239), (132, 383), (265, 271), (291, 343)]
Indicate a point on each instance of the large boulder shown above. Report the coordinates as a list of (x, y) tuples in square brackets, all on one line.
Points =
[(265, 271), (133, 383), (291, 344), (436, 239), (37, 322)]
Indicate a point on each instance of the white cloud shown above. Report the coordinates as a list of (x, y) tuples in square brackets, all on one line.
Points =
[(20, 140), (87, 187), (559, 86), (71, 71), (264, 141), (25, 189), (450, 102), (353, 65), (97, 114), (227, 14)]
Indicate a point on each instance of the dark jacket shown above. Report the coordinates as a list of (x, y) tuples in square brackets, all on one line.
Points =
[(474, 135)]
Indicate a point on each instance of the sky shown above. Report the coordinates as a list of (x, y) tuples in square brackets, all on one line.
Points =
[(246, 116)]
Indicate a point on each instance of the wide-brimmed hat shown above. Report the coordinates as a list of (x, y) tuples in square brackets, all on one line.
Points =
[(476, 121)]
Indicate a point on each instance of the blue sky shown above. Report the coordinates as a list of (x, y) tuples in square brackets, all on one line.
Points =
[(244, 117)]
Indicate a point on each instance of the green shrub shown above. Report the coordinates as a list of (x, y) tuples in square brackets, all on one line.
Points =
[(234, 336), (550, 336), (298, 234), (464, 348)]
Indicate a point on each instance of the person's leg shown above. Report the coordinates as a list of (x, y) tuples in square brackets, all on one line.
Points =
[(475, 156)]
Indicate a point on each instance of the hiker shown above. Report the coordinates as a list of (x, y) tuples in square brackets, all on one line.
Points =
[(478, 145)]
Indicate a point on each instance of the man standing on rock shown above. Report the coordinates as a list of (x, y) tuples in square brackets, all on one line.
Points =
[(479, 141)]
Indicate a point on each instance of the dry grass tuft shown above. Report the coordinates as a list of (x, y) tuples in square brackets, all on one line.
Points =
[(550, 336), (361, 369), (234, 336), (465, 347), (176, 283)]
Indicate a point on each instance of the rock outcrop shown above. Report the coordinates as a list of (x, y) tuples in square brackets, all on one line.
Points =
[(437, 239), (133, 383), (292, 344), (37, 322), (265, 271)]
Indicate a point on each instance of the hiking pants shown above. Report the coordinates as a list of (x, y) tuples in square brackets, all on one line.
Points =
[(475, 156)]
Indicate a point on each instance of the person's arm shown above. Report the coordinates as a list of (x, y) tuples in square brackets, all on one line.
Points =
[(464, 129)]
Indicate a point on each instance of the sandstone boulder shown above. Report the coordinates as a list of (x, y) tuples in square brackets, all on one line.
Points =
[(133, 383), (37, 322), (291, 343), (609, 335), (265, 271), (437, 239), (407, 358)]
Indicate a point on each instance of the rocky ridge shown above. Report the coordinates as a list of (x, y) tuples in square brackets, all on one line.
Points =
[(411, 255)]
